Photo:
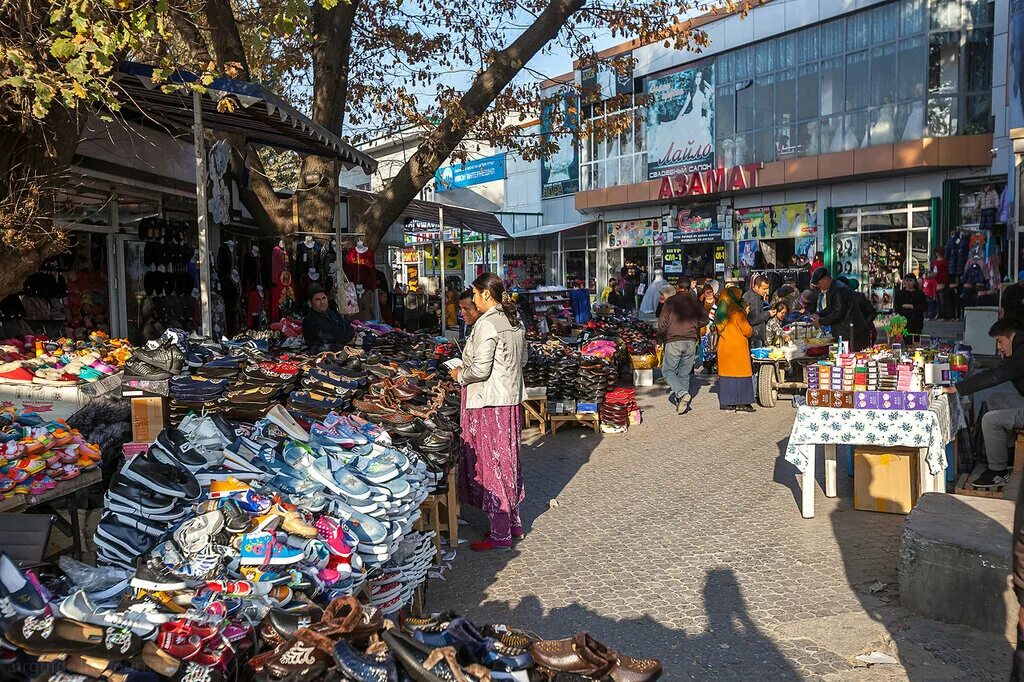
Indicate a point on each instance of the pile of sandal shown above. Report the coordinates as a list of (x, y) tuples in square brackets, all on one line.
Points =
[(62, 362), (37, 455)]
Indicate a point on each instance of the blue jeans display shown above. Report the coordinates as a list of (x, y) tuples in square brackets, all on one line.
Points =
[(677, 363)]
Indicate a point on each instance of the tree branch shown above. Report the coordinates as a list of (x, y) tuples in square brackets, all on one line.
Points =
[(387, 207), (227, 41)]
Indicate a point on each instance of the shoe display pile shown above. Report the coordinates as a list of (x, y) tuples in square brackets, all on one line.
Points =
[(63, 361), (37, 455), (618, 408)]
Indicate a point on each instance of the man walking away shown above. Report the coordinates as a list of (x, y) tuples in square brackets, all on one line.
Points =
[(759, 314), (679, 330)]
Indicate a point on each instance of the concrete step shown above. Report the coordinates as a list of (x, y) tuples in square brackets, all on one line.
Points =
[(954, 562)]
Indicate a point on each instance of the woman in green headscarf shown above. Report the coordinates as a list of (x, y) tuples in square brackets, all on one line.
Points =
[(735, 371)]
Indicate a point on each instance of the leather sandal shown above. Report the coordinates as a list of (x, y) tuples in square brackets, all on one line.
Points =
[(310, 649)]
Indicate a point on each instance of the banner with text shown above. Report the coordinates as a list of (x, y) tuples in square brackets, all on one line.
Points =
[(630, 233), (681, 122), (472, 172)]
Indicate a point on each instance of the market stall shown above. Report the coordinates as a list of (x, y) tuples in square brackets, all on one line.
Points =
[(884, 399)]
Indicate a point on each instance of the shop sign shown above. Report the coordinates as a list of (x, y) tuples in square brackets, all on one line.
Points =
[(847, 255), (782, 221), (699, 183), (472, 172), (412, 277), (410, 255), (630, 233), (720, 259), (673, 260), (681, 122), (697, 224)]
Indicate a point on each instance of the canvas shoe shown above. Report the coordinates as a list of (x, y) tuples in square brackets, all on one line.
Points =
[(161, 477), (375, 470), (173, 447), (17, 593), (290, 522), (231, 487), (196, 533), (263, 549), (154, 576), (284, 421), (79, 607), (338, 479), (148, 526)]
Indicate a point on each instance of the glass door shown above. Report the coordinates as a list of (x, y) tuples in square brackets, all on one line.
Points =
[(131, 273)]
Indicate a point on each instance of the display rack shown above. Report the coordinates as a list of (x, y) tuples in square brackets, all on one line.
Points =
[(538, 303)]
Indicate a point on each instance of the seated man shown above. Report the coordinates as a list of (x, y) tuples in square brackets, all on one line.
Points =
[(325, 329), (998, 426)]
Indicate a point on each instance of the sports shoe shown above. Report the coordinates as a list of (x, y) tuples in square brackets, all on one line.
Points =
[(173, 447), (338, 479), (230, 588), (684, 403), (230, 487), (263, 549), (196, 533), (167, 358), (154, 576), (161, 477), (235, 520), (79, 607), (290, 522), (991, 478)]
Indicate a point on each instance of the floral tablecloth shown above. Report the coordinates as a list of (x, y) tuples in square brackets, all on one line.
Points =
[(888, 428)]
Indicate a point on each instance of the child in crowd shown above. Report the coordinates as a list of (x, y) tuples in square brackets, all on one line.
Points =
[(930, 289), (773, 330)]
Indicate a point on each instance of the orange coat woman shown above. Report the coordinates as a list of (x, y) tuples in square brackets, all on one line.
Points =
[(735, 371)]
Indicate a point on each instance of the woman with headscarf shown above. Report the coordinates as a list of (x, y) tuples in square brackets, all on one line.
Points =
[(735, 371)]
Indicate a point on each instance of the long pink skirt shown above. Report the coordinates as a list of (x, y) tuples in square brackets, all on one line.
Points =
[(490, 476)]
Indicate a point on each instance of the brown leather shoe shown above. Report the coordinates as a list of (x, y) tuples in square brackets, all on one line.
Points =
[(576, 655)]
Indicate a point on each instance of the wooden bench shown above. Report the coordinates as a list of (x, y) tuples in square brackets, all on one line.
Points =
[(440, 513), (559, 420)]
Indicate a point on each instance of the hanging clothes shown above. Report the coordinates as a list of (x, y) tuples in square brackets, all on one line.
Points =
[(580, 305), (258, 310), (957, 250), (360, 267), (253, 269), (307, 257), (280, 263)]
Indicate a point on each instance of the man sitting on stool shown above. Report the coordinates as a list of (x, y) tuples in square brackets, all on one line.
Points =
[(998, 426), (325, 329)]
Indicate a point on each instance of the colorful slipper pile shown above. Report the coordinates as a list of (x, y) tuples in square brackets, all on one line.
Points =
[(61, 362), (36, 455)]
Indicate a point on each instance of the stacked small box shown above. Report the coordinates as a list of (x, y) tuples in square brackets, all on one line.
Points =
[(867, 400), (819, 398), (917, 400), (843, 399), (892, 400), (813, 376)]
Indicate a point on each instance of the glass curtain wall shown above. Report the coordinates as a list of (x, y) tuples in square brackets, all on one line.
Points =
[(897, 72), (608, 159)]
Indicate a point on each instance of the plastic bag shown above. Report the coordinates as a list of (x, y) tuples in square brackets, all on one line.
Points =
[(93, 578)]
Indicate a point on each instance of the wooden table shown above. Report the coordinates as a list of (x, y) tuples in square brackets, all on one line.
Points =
[(67, 496), (559, 420), (536, 410)]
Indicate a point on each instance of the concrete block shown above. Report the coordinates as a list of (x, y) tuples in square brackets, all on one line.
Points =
[(954, 562)]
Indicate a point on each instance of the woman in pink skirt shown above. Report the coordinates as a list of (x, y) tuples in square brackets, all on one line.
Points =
[(490, 476)]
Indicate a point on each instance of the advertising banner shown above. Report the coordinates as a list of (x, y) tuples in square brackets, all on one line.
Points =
[(697, 224), (623, 72), (473, 172), (848, 256), (560, 172), (630, 233), (673, 260), (681, 122), (783, 221)]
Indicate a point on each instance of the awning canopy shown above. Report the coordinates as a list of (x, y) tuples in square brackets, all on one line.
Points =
[(551, 229), (455, 217), (261, 116)]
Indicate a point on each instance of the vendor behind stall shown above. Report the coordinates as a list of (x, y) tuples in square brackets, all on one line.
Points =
[(999, 426), (324, 329), (842, 311), (911, 304)]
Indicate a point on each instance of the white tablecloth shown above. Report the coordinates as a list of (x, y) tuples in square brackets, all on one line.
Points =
[(888, 428)]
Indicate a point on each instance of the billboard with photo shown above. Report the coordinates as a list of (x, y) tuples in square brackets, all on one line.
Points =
[(681, 122), (782, 221), (559, 120)]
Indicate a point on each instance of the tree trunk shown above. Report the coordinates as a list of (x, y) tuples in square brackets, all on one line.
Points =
[(446, 137), (34, 157)]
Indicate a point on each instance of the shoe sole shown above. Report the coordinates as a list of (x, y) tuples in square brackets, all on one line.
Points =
[(157, 587), (988, 486), (152, 512), (275, 561)]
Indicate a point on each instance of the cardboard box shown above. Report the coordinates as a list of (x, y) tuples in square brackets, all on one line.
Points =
[(536, 393), (149, 417), (57, 402), (868, 400), (131, 450), (643, 377), (843, 399), (892, 400), (561, 407), (917, 400), (587, 408), (885, 479), (819, 398)]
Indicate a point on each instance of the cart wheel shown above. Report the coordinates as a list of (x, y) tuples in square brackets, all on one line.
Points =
[(767, 394)]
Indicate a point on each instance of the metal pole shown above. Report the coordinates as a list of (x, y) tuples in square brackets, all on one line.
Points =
[(440, 224), (202, 216), (560, 266)]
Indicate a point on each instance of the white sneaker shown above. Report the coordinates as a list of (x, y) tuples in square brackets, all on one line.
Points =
[(280, 418)]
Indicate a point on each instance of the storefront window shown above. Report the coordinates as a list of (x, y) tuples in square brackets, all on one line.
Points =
[(85, 205), (858, 30), (911, 17), (807, 45), (883, 74), (857, 80), (912, 67), (943, 62), (942, 116), (978, 115), (832, 90), (945, 14), (885, 22)]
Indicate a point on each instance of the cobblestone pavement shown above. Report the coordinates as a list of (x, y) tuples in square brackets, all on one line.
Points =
[(683, 540)]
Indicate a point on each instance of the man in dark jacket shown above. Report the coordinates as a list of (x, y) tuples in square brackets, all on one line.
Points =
[(842, 311), (758, 314), (1012, 302), (679, 329), (998, 428), (323, 328)]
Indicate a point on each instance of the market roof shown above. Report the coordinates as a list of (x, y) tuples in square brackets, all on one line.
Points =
[(551, 229), (455, 217), (262, 117)]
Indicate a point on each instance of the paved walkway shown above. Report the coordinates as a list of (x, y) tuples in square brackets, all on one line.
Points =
[(682, 540)]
